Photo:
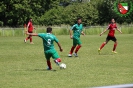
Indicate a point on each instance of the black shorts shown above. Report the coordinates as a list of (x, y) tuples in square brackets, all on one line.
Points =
[(111, 38)]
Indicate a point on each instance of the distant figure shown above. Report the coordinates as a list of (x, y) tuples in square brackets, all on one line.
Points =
[(30, 28), (77, 31), (112, 27), (48, 43)]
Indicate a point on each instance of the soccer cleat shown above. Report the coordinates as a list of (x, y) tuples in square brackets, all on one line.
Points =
[(69, 55), (114, 52), (25, 40), (99, 51), (75, 54), (49, 68)]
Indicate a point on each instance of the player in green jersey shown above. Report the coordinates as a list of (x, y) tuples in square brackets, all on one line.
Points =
[(49, 50), (77, 31)]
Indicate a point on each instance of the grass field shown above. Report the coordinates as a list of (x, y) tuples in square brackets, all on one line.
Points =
[(24, 66)]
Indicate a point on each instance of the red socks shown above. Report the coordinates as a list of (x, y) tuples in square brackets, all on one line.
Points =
[(49, 64), (30, 39), (102, 46), (114, 46), (27, 38), (72, 49), (77, 48), (58, 60)]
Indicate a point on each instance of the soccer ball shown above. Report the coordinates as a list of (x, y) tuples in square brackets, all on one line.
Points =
[(62, 66)]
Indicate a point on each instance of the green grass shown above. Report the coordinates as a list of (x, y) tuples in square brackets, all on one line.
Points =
[(24, 66)]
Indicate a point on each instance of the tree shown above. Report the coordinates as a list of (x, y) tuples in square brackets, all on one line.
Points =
[(56, 12), (16, 12), (52, 17), (85, 10)]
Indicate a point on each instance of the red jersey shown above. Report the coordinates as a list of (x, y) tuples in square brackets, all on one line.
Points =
[(111, 29), (30, 26)]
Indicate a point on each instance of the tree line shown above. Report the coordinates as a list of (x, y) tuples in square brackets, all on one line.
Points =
[(56, 12)]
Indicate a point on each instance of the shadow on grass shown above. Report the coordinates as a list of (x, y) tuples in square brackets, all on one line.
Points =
[(72, 57), (36, 70), (43, 70), (106, 54)]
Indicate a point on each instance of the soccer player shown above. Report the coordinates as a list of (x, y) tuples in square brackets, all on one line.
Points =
[(77, 31), (30, 28), (49, 50), (112, 27)]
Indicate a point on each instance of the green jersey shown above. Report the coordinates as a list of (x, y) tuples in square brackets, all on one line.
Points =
[(48, 40), (77, 29)]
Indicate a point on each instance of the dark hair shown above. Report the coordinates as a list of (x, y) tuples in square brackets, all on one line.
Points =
[(30, 19), (111, 20), (49, 29), (79, 18)]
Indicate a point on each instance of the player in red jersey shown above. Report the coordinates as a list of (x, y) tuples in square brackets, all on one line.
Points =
[(30, 28), (112, 27)]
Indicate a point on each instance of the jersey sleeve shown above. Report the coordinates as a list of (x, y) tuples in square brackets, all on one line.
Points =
[(82, 27), (28, 24), (56, 40), (41, 35), (108, 27), (72, 27)]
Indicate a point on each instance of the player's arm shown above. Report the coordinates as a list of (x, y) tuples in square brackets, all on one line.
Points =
[(82, 33), (32, 34), (70, 32), (119, 30), (28, 26), (59, 46), (56, 40), (103, 32)]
